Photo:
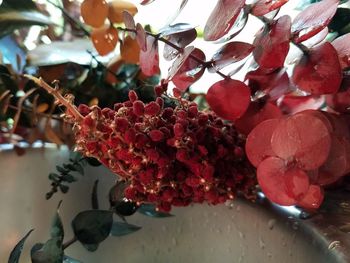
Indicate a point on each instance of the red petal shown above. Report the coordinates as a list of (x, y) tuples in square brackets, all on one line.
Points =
[(341, 44), (297, 183), (270, 177), (319, 71), (149, 59), (258, 144), (262, 7), (302, 137), (313, 199), (272, 44), (292, 104), (313, 19), (229, 98), (256, 114), (230, 53), (190, 71), (222, 18)]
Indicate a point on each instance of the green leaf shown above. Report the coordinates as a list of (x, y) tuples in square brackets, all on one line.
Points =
[(94, 196), (50, 252), (53, 177), (67, 259), (61, 169), (79, 168), (91, 247), (64, 188), (149, 210), (15, 14), (57, 230), (341, 21), (92, 226), (75, 156), (68, 178), (16, 252), (122, 229)]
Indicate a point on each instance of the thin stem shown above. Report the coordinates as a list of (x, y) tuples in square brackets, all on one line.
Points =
[(179, 49), (69, 242), (72, 109), (38, 113)]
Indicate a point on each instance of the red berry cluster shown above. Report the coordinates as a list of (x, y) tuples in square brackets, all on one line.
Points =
[(295, 156), (172, 156)]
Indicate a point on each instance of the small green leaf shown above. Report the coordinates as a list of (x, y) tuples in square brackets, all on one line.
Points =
[(61, 169), (122, 229), (91, 247), (53, 177), (68, 178), (92, 226), (79, 168), (149, 210), (57, 230), (64, 188), (16, 252), (94, 196), (50, 252)]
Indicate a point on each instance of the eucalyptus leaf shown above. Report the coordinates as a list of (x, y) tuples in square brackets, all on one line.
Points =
[(67, 259), (123, 228), (50, 252), (150, 210), (16, 252), (15, 14), (92, 226)]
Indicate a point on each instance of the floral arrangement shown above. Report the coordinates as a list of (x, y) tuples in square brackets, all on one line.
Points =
[(283, 129)]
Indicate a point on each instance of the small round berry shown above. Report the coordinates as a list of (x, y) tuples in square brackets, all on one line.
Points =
[(138, 108), (133, 96), (156, 135), (152, 109)]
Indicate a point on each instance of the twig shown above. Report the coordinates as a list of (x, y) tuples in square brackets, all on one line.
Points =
[(70, 107), (179, 49), (69, 242)]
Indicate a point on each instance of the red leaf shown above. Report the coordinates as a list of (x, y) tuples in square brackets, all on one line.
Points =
[(270, 177), (181, 39), (313, 19), (129, 23), (272, 44), (149, 59), (304, 138), (230, 53), (263, 7), (292, 104), (146, 2), (222, 18), (297, 183), (180, 60), (341, 44), (319, 71), (258, 144), (339, 124), (229, 98), (316, 39), (273, 84), (339, 101), (313, 199), (190, 71), (256, 114), (141, 37)]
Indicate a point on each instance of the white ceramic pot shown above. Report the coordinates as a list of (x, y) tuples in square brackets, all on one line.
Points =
[(241, 232)]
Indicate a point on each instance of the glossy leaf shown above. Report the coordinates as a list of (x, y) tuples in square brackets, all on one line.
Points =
[(141, 37), (272, 44), (94, 12), (104, 39), (230, 53), (319, 72), (149, 59), (256, 113), (303, 138), (313, 19), (229, 98), (341, 45), (175, 29), (222, 18), (258, 144), (122, 229), (181, 40), (339, 101), (262, 7), (316, 39), (17, 250), (180, 60), (116, 9), (176, 12), (16, 14), (149, 210), (292, 104), (270, 177), (313, 199), (297, 183), (190, 71), (93, 226)]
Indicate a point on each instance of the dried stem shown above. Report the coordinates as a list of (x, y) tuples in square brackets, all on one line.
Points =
[(179, 49), (54, 91), (69, 242)]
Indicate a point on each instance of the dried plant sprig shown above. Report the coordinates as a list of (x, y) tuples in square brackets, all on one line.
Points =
[(73, 111)]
